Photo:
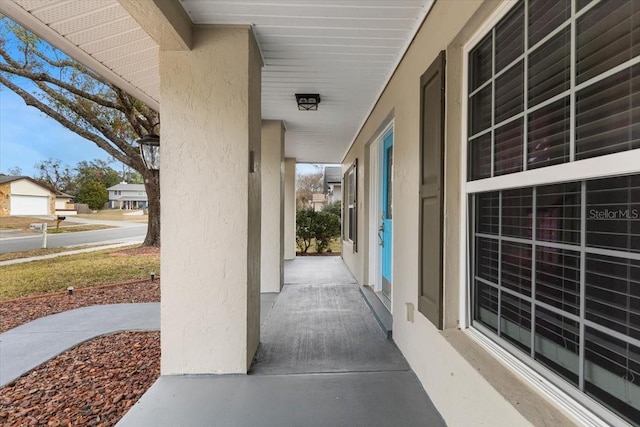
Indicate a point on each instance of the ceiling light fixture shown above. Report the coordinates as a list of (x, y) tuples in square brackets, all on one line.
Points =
[(307, 101)]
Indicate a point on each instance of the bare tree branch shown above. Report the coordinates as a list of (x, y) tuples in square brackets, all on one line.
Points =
[(83, 102), (43, 77), (34, 102)]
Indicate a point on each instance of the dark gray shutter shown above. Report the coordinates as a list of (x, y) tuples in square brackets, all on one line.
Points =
[(431, 190), (354, 223)]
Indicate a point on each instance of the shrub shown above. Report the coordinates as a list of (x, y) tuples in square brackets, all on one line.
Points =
[(305, 228), (93, 194), (319, 227), (327, 228)]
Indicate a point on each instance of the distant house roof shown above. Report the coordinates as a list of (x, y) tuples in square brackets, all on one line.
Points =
[(10, 178), (127, 187), (63, 195), (332, 175)]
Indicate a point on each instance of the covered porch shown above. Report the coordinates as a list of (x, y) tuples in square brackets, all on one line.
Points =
[(428, 106), (323, 361)]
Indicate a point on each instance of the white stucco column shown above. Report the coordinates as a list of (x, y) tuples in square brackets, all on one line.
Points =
[(210, 192), (272, 171), (289, 208)]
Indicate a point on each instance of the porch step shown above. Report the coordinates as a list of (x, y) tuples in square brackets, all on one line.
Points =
[(379, 310)]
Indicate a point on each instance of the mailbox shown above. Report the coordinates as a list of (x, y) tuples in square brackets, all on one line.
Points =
[(61, 218)]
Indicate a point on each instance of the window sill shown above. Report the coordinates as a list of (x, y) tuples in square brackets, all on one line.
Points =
[(518, 392)]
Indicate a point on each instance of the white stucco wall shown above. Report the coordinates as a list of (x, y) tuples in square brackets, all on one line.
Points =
[(61, 202), (24, 187), (461, 394), (210, 271), (289, 208), (272, 172)]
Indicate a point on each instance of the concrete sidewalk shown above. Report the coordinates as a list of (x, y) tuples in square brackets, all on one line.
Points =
[(28, 346)]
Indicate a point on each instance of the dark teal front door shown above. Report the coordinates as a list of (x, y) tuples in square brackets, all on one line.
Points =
[(386, 226)]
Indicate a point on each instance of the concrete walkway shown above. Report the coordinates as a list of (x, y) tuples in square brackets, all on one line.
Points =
[(28, 346), (32, 344), (323, 361)]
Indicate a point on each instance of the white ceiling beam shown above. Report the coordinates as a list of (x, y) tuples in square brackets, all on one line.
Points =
[(165, 21)]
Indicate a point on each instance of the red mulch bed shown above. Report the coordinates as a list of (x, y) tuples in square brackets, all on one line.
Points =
[(93, 384), (22, 310)]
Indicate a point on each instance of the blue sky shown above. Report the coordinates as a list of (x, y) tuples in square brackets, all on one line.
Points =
[(28, 136)]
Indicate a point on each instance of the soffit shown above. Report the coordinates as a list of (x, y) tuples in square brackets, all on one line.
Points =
[(101, 35), (343, 50)]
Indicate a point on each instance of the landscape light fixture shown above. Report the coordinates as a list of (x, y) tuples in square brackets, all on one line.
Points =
[(307, 101), (150, 151)]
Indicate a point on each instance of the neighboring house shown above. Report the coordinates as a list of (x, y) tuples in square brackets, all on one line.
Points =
[(317, 202), (333, 183), (21, 195), (127, 196), (64, 206)]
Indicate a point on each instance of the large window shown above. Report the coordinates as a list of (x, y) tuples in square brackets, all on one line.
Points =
[(555, 273), (350, 220), (560, 87)]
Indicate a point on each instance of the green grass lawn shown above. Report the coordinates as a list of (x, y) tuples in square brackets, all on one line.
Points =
[(82, 270)]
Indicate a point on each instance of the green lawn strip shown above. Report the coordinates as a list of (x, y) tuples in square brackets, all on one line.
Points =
[(76, 228), (82, 270), (21, 223)]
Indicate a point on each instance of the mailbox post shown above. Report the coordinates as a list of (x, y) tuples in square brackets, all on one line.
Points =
[(40, 227)]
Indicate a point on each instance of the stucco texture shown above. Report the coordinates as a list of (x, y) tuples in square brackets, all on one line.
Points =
[(451, 381), (211, 263), (272, 171)]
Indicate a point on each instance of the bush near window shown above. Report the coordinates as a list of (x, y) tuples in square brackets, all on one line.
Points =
[(317, 227)]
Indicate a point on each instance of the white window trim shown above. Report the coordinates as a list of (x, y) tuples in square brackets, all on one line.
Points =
[(614, 164)]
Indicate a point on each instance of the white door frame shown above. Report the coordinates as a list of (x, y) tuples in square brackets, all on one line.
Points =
[(375, 254), (375, 207)]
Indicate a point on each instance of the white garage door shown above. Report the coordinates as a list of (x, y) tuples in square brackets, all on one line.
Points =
[(29, 205)]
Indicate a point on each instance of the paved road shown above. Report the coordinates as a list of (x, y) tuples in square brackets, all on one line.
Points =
[(131, 234)]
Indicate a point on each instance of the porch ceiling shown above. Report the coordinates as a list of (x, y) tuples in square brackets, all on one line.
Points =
[(345, 51)]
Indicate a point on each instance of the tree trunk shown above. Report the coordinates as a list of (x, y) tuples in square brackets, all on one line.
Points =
[(152, 186)]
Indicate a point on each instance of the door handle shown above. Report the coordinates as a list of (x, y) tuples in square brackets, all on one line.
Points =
[(380, 230)]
